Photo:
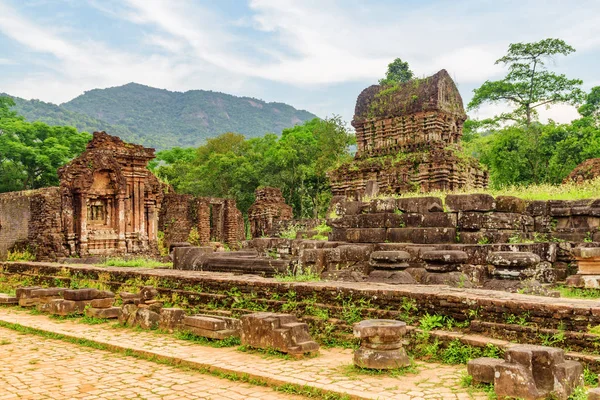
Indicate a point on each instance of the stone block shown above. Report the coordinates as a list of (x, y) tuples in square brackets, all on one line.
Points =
[(372, 220), (380, 344), (86, 294), (470, 202), (103, 313), (513, 259), (130, 298), (445, 256), (355, 252), (366, 235), (282, 332), (102, 303), (170, 318), (66, 307), (128, 314), (537, 208), (207, 333), (474, 221), (204, 322), (482, 369), (420, 205), (8, 299), (146, 318), (148, 293), (25, 292), (185, 258), (440, 276), (48, 292), (510, 204), (389, 259), (536, 372), (391, 277), (594, 394), (421, 235)]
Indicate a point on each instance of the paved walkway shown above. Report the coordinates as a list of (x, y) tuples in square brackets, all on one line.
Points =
[(36, 368), (330, 371)]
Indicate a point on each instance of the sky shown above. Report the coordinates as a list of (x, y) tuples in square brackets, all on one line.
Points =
[(315, 55)]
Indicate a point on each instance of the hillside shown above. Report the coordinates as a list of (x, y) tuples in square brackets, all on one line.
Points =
[(163, 119)]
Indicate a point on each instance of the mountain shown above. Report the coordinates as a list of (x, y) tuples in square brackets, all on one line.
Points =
[(163, 119)]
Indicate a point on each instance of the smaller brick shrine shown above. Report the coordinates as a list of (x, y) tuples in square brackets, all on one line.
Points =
[(408, 139), (268, 209)]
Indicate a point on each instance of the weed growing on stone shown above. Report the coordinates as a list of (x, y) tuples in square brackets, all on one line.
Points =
[(352, 371), (322, 231), (521, 320), (265, 352), (298, 274), (16, 255), (138, 262), (590, 378), (189, 336)]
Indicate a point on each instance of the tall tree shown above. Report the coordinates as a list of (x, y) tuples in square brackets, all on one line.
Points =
[(591, 108), (528, 84), (398, 71)]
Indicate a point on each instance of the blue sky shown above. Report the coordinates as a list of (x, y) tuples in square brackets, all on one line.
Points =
[(314, 55)]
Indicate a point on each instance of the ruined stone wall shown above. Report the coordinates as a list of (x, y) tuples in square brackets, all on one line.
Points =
[(469, 219), (214, 219), (32, 219)]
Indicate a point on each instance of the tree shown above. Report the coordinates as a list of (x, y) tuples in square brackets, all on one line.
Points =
[(528, 84), (398, 71), (591, 108), (30, 153)]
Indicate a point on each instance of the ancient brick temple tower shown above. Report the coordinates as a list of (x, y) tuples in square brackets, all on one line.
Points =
[(110, 200), (408, 140), (268, 209)]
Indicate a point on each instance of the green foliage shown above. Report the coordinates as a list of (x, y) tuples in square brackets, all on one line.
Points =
[(298, 274), (189, 336), (431, 321), (290, 232), (22, 255), (398, 71), (163, 119), (591, 107), (232, 166), (578, 293), (136, 262), (528, 84), (30, 153)]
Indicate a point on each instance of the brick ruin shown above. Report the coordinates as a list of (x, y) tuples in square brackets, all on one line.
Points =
[(586, 171), (408, 139), (185, 218), (108, 202), (110, 198), (268, 210)]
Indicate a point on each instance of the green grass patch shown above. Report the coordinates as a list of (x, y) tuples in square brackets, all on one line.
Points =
[(298, 274), (187, 335), (138, 262), (353, 371), (578, 293)]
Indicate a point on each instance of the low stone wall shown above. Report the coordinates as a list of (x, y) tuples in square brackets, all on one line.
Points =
[(342, 302), (32, 218)]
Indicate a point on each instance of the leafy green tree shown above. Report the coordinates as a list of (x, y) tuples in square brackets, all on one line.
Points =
[(31, 153), (528, 84), (398, 71), (591, 108)]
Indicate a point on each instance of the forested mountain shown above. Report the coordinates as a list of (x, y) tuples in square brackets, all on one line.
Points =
[(164, 119)]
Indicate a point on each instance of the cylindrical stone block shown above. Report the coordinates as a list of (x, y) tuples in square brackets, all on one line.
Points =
[(381, 344)]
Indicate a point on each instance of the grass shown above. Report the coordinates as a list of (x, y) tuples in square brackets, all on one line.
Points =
[(352, 371), (139, 262), (187, 335), (298, 274), (578, 293), (543, 191)]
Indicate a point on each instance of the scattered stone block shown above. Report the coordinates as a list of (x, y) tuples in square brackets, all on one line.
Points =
[(103, 313), (482, 369), (212, 326), (130, 298), (146, 318), (513, 259), (102, 303), (127, 315), (531, 373), (8, 299), (23, 295), (282, 332), (170, 318), (381, 344), (148, 293), (86, 294), (65, 307)]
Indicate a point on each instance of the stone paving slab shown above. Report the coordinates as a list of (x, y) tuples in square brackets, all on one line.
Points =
[(37, 368), (330, 371)]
